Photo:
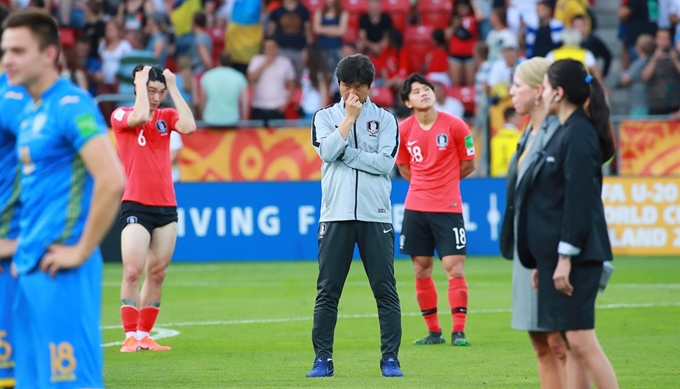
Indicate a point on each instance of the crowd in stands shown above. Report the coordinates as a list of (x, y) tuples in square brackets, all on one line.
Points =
[(275, 59)]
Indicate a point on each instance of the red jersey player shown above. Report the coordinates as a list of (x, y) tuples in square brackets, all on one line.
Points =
[(149, 208), (436, 151)]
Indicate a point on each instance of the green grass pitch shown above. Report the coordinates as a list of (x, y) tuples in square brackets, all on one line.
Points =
[(248, 325)]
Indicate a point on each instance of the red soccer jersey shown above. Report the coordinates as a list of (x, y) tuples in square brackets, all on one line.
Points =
[(145, 153), (434, 156)]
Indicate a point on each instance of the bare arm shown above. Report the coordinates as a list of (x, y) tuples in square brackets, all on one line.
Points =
[(141, 112), (158, 46), (245, 103), (405, 171), (186, 124), (205, 55), (466, 167), (254, 76)]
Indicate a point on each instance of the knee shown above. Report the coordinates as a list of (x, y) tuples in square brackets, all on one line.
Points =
[(542, 350), (557, 347), (132, 273), (156, 273)]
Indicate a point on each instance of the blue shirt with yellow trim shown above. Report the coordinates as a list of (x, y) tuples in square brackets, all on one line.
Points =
[(13, 99), (56, 186)]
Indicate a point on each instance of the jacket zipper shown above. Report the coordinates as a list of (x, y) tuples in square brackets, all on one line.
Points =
[(356, 182)]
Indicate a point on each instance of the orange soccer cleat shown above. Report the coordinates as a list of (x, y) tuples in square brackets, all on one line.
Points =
[(130, 345), (149, 344)]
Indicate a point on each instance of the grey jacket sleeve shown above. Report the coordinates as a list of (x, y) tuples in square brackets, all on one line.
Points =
[(326, 140), (379, 163)]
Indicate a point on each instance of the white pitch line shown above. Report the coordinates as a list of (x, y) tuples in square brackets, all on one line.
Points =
[(374, 315), (221, 284), (158, 333)]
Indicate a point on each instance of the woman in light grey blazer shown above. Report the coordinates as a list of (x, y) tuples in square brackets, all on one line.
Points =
[(553, 358)]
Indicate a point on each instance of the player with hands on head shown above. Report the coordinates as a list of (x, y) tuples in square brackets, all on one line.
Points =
[(148, 213), (71, 181), (358, 142), (436, 152)]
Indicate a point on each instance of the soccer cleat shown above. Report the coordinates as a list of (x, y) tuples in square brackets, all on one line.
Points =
[(390, 367), (130, 345), (458, 339), (431, 338), (322, 368), (149, 344)]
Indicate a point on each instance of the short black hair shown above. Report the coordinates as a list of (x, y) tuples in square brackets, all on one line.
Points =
[(508, 113), (355, 68), (155, 74), (200, 19), (406, 88)]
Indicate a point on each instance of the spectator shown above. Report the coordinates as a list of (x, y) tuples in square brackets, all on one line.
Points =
[(330, 25), (185, 80), (95, 27), (392, 65), (139, 55), (571, 49), (112, 48), (462, 35), (500, 74), (315, 83), (131, 15), (156, 29), (220, 105), (91, 65), (272, 78), (662, 75), (201, 50), (484, 23), (181, 14), (544, 36), (290, 26), (243, 38), (446, 103), (592, 43), (567, 10), (436, 66), (504, 143), (633, 76), (483, 66), (72, 69), (639, 19), (373, 28), (499, 33), (521, 13)]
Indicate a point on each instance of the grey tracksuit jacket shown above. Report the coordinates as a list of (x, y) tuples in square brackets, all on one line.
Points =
[(355, 182)]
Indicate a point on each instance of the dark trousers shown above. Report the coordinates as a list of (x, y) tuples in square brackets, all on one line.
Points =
[(336, 248), (267, 115)]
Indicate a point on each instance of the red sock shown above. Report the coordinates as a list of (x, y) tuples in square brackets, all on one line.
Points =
[(130, 316), (147, 318), (426, 294), (458, 301)]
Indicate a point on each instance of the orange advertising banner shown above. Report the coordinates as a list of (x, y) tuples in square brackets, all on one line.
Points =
[(650, 148), (249, 155)]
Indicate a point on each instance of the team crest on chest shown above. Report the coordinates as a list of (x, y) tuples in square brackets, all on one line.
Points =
[(442, 140), (373, 126), (162, 127)]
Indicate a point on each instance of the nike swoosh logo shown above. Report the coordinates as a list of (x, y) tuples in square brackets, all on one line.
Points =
[(386, 231), (412, 143), (459, 246)]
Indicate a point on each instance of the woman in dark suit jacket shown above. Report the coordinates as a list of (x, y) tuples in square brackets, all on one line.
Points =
[(562, 231)]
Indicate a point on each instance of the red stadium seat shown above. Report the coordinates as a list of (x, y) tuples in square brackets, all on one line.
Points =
[(382, 97), (435, 13), (418, 35), (291, 111), (355, 6), (465, 94), (399, 11), (351, 35)]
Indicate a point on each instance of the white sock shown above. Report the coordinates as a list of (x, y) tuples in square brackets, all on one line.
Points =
[(131, 333), (141, 335)]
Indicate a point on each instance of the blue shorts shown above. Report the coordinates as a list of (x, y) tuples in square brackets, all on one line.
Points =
[(59, 345), (8, 286)]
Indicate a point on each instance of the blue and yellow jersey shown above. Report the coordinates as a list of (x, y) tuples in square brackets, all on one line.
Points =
[(56, 186), (12, 103)]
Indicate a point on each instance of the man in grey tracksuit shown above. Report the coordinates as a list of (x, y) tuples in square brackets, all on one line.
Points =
[(358, 142)]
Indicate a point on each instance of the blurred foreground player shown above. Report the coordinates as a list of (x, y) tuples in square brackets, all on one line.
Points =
[(71, 182), (436, 153), (149, 210)]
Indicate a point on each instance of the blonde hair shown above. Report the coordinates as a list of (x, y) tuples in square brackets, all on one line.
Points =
[(533, 70)]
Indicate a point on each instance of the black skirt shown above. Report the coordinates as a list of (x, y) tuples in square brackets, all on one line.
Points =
[(559, 312)]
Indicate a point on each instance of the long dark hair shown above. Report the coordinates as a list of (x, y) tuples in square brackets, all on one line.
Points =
[(318, 70), (582, 89)]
